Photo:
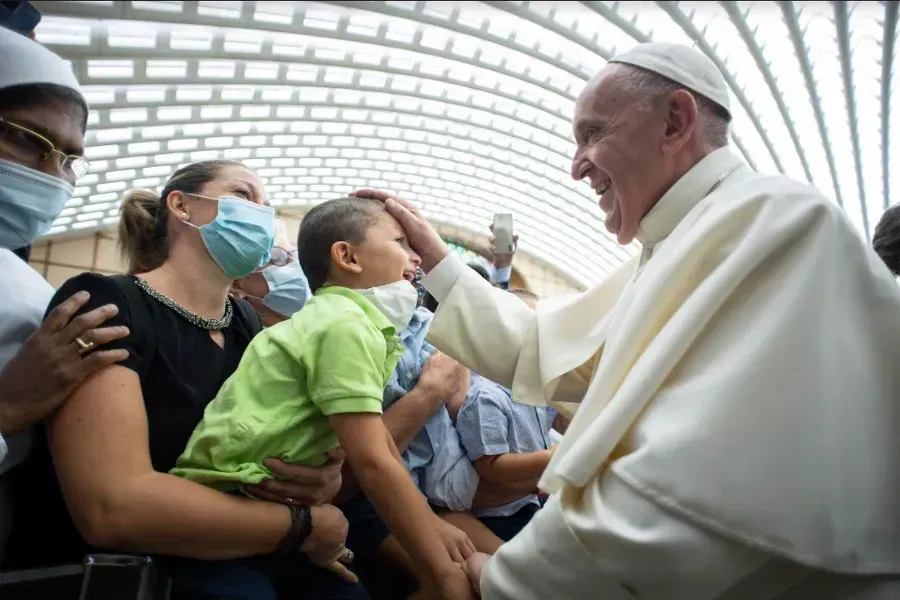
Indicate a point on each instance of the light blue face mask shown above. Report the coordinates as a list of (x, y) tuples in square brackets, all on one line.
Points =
[(29, 202), (241, 237), (288, 288)]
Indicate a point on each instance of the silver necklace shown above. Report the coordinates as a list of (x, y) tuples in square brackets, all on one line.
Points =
[(201, 322), (722, 178)]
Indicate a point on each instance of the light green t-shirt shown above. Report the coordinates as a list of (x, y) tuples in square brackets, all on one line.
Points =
[(334, 356)]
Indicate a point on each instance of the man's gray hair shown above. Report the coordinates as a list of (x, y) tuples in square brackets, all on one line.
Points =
[(650, 88)]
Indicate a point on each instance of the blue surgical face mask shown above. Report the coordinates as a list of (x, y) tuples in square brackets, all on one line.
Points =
[(288, 288), (241, 237), (29, 202)]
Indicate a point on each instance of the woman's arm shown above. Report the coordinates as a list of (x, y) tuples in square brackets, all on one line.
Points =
[(388, 486), (100, 449)]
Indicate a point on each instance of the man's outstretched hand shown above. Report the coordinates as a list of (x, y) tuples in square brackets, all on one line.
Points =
[(474, 569), (422, 236)]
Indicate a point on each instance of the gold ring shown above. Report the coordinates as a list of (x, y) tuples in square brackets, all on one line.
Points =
[(346, 557), (84, 346)]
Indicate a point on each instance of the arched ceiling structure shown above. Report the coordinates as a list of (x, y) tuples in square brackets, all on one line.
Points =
[(463, 106)]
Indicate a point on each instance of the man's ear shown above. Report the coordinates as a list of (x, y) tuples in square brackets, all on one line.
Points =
[(682, 118), (343, 255)]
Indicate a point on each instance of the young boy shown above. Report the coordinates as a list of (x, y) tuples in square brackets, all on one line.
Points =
[(508, 443), (315, 382)]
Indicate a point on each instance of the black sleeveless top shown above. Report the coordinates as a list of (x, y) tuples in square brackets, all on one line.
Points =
[(181, 370)]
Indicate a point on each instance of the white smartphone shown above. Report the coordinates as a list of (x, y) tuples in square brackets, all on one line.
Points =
[(503, 234)]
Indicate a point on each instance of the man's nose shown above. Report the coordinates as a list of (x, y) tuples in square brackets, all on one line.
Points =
[(51, 166), (579, 167)]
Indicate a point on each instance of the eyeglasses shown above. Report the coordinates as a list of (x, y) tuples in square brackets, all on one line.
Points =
[(282, 256), (36, 147)]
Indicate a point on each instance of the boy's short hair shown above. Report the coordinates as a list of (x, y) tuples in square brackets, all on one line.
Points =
[(339, 220)]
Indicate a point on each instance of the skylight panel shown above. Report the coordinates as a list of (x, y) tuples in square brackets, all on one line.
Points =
[(223, 9)]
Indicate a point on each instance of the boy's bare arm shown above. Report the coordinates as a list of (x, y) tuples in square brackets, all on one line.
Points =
[(511, 467), (384, 479)]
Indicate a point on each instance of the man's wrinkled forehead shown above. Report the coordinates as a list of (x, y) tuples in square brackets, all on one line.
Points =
[(600, 99)]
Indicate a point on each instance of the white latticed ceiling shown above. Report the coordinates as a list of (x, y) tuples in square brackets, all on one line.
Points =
[(462, 106)]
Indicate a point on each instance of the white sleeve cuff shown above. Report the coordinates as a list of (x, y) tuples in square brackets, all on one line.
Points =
[(503, 274), (443, 277), (2, 448)]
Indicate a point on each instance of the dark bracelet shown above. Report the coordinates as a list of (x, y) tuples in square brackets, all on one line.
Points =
[(301, 528)]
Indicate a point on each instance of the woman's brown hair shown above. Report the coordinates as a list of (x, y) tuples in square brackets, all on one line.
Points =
[(143, 226)]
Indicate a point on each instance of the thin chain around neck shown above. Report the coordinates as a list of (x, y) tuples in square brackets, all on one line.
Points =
[(647, 249), (197, 321)]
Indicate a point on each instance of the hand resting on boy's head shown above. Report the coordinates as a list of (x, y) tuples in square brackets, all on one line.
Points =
[(301, 486)]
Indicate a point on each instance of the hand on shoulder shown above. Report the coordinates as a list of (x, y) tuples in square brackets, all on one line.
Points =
[(56, 358)]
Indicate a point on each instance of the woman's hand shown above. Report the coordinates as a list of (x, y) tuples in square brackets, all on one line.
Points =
[(325, 544), (55, 360), (301, 486)]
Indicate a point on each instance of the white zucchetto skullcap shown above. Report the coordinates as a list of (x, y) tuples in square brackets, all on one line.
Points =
[(682, 64), (24, 61)]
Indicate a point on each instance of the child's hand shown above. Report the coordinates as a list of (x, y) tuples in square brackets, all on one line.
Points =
[(325, 545), (442, 376), (457, 543)]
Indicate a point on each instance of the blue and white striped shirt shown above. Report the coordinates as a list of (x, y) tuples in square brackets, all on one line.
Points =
[(491, 423), (435, 458)]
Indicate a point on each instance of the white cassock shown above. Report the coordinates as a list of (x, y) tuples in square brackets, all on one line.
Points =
[(738, 392)]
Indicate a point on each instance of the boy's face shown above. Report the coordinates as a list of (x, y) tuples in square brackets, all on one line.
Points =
[(385, 256)]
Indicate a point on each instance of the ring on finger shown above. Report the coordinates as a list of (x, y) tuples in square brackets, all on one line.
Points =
[(289, 500), (83, 346), (346, 556)]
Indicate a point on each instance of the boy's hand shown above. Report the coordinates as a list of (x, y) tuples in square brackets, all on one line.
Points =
[(325, 545), (442, 376), (457, 543)]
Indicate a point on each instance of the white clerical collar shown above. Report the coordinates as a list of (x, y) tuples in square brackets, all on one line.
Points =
[(684, 195)]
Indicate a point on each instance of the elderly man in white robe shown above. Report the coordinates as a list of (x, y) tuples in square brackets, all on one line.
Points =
[(737, 432)]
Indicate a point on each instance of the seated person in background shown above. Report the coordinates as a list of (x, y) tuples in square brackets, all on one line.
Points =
[(280, 289), (481, 271), (432, 451), (886, 241), (313, 383), (507, 442)]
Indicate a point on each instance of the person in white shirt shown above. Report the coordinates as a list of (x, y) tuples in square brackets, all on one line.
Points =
[(42, 120), (736, 433)]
